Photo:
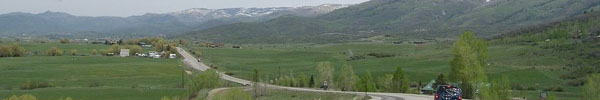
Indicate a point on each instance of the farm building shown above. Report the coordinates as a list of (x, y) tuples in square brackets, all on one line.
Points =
[(124, 53), (215, 45)]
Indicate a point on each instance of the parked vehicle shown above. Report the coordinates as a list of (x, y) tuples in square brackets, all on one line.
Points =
[(448, 92)]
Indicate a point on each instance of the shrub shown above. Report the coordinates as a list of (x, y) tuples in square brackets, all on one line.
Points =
[(531, 89), (22, 97), (94, 84), (357, 57), (55, 52), (73, 52), (381, 55), (555, 88), (30, 85), (63, 41), (577, 82)]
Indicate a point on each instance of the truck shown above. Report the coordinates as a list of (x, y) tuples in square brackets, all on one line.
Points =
[(448, 92)]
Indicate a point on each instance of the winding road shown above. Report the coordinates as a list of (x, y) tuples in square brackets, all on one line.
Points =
[(192, 62)]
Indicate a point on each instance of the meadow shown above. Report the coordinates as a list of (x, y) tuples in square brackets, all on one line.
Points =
[(89, 77), (422, 62)]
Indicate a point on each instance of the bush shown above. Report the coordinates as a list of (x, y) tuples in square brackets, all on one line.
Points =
[(30, 85), (577, 82), (531, 89), (22, 97), (94, 84), (12, 51), (517, 87), (555, 88), (381, 55), (73, 52), (358, 57), (55, 52), (63, 41)]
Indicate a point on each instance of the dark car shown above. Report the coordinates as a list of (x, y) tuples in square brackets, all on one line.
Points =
[(448, 92)]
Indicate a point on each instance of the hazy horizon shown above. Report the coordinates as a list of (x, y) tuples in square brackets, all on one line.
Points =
[(139, 7)]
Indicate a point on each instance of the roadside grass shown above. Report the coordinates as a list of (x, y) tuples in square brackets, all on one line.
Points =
[(92, 77), (526, 65), (104, 93), (281, 94)]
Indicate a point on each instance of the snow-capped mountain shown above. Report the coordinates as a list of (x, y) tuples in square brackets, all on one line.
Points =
[(203, 14), (148, 24)]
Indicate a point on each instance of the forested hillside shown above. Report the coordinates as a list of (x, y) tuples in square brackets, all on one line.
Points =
[(577, 41), (414, 19)]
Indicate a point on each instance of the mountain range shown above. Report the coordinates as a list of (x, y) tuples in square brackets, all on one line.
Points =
[(402, 19), (63, 24)]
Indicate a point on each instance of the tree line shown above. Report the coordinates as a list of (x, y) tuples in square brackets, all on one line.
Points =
[(14, 50), (347, 80)]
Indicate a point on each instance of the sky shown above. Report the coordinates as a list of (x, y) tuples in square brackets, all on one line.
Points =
[(139, 7)]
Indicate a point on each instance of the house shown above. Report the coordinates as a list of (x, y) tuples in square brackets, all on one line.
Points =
[(124, 53), (429, 88), (172, 56), (215, 45), (155, 56), (145, 45), (152, 54), (111, 42)]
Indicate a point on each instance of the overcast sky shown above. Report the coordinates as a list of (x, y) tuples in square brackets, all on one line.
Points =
[(139, 7)]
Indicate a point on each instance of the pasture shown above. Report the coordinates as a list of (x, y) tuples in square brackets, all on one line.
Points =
[(421, 62)]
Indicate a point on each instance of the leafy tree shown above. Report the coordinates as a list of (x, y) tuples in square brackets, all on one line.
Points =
[(440, 80), (5, 51), (114, 49), (94, 52), (467, 66), (592, 87), (165, 98), (255, 80), (401, 83), (205, 80), (470, 55), (302, 80), (55, 52), (12, 51), (385, 82), (499, 90), (73, 52), (346, 80), (366, 83), (311, 83), (325, 70), (63, 41), (17, 50), (135, 49)]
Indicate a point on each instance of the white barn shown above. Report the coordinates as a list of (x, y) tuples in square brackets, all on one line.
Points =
[(124, 52)]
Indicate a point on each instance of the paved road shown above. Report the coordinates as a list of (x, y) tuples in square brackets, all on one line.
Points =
[(192, 62)]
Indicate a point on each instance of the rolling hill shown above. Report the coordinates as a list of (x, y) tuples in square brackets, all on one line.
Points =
[(63, 24), (408, 19)]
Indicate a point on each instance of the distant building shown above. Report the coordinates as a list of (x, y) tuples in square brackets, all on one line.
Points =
[(153, 54), (124, 53), (145, 45), (172, 56), (429, 88), (215, 45)]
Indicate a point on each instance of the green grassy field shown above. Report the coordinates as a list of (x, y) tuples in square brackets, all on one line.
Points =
[(90, 77), (421, 62)]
